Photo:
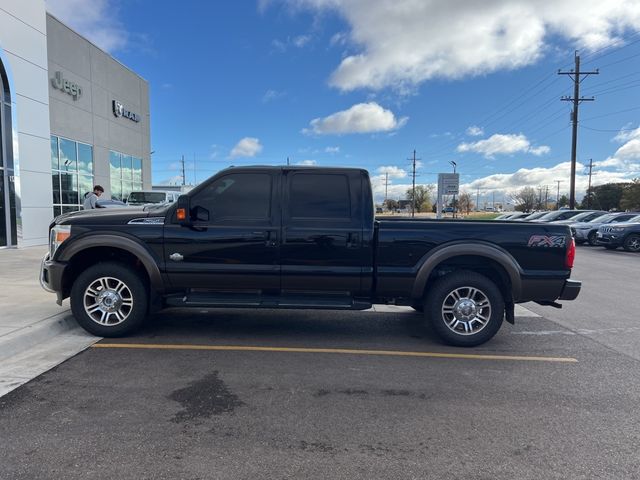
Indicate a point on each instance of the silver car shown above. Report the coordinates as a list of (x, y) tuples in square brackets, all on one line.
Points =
[(586, 231)]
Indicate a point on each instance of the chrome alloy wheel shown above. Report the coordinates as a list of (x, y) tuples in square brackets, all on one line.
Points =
[(108, 301), (466, 310)]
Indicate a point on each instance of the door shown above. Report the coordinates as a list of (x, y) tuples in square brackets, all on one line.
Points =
[(233, 243), (322, 249)]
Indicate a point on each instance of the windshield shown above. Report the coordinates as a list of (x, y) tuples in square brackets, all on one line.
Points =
[(533, 216), (147, 197), (585, 217), (605, 218)]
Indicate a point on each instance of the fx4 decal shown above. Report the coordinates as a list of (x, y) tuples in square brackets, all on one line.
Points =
[(548, 241)]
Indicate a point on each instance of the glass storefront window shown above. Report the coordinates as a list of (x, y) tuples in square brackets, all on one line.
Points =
[(126, 174), (71, 173), (68, 155), (85, 159), (54, 154)]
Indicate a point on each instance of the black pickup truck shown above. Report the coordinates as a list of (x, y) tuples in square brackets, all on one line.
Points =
[(300, 237)]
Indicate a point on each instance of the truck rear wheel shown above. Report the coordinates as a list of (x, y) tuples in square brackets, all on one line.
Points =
[(109, 300), (466, 309)]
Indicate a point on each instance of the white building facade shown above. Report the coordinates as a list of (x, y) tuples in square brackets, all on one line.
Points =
[(71, 116)]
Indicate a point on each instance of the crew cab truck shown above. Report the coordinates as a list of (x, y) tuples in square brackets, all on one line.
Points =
[(301, 237)]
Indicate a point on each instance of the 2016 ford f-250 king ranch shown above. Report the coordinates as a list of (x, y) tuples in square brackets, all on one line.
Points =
[(296, 237)]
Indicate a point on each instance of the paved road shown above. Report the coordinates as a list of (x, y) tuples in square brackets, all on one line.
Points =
[(608, 308), (175, 413)]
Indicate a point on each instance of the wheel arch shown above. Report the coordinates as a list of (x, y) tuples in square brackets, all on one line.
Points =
[(90, 249), (480, 257)]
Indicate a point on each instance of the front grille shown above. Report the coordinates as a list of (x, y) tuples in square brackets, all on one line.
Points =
[(606, 229)]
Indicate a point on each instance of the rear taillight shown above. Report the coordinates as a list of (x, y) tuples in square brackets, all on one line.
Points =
[(571, 254)]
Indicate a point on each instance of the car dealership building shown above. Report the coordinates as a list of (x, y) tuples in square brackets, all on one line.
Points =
[(71, 116)]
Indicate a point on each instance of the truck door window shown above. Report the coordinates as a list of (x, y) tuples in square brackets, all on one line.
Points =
[(319, 196), (238, 196)]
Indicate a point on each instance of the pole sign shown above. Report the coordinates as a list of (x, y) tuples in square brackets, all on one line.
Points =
[(448, 183)]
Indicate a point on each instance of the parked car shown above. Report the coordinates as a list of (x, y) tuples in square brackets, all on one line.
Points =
[(237, 241), (517, 216), (586, 231), (623, 234), (586, 216), (557, 215), (149, 197), (534, 217), (504, 216)]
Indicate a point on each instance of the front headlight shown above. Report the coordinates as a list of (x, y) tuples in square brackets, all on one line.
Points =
[(57, 235)]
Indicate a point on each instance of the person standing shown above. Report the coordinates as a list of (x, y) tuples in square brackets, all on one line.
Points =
[(91, 198)]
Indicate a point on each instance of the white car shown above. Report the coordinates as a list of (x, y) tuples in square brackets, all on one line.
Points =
[(148, 197)]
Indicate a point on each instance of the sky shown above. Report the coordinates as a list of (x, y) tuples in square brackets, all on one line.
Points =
[(364, 83)]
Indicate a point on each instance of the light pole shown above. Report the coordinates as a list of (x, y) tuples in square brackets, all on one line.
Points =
[(454, 164)]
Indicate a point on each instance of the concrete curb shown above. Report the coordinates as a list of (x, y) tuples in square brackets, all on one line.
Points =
[(27, 337)]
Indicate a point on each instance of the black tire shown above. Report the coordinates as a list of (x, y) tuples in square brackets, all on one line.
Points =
[(610, 247), (439, 297), (632, 243), (591, 239), (128, 317)]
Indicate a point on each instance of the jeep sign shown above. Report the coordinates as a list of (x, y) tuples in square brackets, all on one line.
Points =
[(120, 111), (64, 85)]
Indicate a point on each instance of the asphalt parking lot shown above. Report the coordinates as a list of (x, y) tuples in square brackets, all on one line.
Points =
[(316, 394)]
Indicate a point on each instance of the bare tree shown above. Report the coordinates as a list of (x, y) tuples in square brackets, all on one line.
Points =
[(525, 199), (465, 202), (423, 197)]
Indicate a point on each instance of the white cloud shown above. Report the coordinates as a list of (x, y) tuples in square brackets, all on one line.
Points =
[(97, 20), (246, 147), (307, 162), (627, 134), (503, 144), (301, 40), (627, 157), (541, 150), (271, 95), (360, 118), (401, 43), (332, 150), (474, 131), (392, 170)]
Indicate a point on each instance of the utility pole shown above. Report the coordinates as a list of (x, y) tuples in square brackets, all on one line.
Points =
[(558, 195), (546, 196), (183, 178), (386, 186), (195, 175), (478, 199), (287, 161), (575, 75), (455, 206), (413, 202), (589, 189)]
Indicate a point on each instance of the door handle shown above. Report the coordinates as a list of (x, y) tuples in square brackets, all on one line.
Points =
[(268, 236)]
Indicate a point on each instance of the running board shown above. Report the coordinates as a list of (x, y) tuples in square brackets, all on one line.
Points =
[(241, 300)]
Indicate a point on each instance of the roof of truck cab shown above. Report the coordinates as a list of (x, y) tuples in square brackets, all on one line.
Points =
[(295, 167)]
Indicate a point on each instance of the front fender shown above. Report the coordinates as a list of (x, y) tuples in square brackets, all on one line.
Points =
[(129, 244)]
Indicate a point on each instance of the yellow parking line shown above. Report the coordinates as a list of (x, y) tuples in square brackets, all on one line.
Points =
[(394, 353)]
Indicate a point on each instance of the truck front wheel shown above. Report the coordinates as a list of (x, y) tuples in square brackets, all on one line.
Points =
[(109, 300), (466, 309)]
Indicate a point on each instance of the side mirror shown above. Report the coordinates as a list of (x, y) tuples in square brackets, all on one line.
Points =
[(183, 210)]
